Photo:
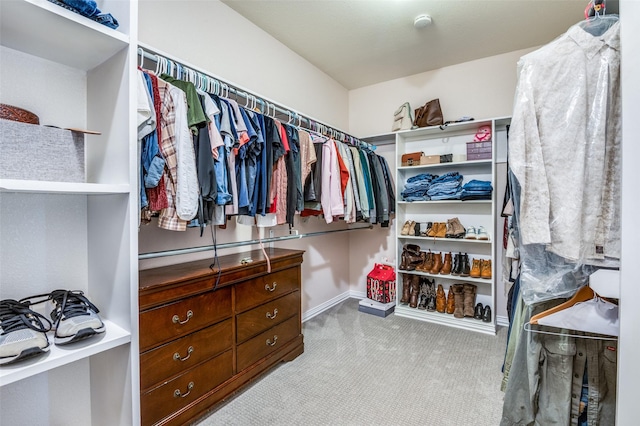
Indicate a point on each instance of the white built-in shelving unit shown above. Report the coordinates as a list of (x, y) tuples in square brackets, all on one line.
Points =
[(74, 72), (451, 139)]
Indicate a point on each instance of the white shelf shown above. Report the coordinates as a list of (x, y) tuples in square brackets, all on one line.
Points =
[(446, 319), (448, 202), (61, 355), (448, 240), (44, 187), (44, 29), (448, 277), (456, 165)]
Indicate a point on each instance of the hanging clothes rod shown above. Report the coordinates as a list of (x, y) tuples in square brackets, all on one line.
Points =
[(214, 85), (165, 253)]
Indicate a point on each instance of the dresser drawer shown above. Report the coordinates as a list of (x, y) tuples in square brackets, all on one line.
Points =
[(183, 390), (168, 360), (267, 342), (257, 291), (168, 322), (260, 318)]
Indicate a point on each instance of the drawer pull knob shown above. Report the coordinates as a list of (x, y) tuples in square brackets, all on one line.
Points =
[(176, 319), (266, 286), (270, 343), (177, 393), (272, 315), (177, 357)]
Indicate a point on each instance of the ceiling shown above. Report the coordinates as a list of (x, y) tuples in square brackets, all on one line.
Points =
[(363, 42)]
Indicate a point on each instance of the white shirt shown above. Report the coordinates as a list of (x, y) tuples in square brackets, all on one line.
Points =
[(564, 145), (187, 191)]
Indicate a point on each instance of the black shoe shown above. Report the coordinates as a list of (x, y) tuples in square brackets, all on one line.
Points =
[(478, 312), (486, 316), (465, 268), (457, 264)]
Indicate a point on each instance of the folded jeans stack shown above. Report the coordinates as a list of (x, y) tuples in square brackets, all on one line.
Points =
[(88, 8), (476, 190), (446, 187), (417, 186)]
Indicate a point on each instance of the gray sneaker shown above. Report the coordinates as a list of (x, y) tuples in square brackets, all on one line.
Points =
[(22, 332), (74, 317)]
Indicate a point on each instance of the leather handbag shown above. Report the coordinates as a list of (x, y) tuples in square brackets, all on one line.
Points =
[(429, 114), (402, 118)]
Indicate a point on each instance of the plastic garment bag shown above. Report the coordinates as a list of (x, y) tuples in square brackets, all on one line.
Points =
[(564, 153)]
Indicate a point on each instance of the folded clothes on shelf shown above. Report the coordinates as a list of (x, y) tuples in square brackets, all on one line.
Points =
[(89, 9)]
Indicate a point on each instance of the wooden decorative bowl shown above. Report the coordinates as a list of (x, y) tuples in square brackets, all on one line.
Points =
[(9, 112)]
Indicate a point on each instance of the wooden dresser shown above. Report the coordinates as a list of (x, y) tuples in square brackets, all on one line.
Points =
[(205, 333)]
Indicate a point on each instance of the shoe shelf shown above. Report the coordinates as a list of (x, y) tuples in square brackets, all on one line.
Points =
[(448, 277), (448, 240), (445, 319), (61, 355)]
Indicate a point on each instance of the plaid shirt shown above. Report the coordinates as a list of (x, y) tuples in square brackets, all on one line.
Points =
[(168, 217)]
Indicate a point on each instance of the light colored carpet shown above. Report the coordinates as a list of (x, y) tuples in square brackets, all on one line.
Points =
[(360, 369)]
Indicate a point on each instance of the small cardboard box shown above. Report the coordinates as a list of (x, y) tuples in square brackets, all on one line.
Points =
[(376, 308), (34, 152)]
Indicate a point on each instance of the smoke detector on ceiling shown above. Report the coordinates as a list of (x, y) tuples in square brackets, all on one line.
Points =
[(422, 21)]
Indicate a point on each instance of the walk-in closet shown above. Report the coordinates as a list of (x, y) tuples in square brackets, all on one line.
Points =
[(230, 212)]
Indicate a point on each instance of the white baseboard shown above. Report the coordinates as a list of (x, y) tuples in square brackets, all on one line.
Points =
[(502, 321), (331, 303)]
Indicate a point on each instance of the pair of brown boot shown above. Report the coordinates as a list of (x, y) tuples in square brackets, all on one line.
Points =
[(435, 264), (464, 300), (410, 290), (481, 268)]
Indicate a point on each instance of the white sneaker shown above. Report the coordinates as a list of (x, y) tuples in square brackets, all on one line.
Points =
[(470, 234), (74, 317), (482, 234), (22, 332)]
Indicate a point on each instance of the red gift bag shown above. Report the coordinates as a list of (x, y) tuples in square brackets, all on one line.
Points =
[(381, 284)]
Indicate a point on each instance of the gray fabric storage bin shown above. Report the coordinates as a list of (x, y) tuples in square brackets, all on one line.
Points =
[(33, 152)]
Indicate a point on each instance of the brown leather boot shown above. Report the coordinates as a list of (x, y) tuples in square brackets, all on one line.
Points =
[(427, 264), (412, 255), (415, 291), (458, 298), (442, 230), (475, 269), (437, 263), (446, 266), (485, 269), (469, 300), (450, 301), (441, 300), (406, 289)]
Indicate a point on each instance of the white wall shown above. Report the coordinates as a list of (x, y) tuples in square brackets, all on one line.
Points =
[(214, 38), (481, 89)]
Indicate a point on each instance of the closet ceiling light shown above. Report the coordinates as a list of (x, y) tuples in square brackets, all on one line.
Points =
[(422, 21)]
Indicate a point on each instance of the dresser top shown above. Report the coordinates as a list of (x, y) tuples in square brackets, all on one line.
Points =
[(232, 266)]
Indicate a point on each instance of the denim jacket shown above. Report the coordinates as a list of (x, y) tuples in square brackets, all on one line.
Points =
[(545, 380)]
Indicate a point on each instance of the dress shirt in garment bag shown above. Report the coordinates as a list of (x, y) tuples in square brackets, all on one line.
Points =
[(585, 311)]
